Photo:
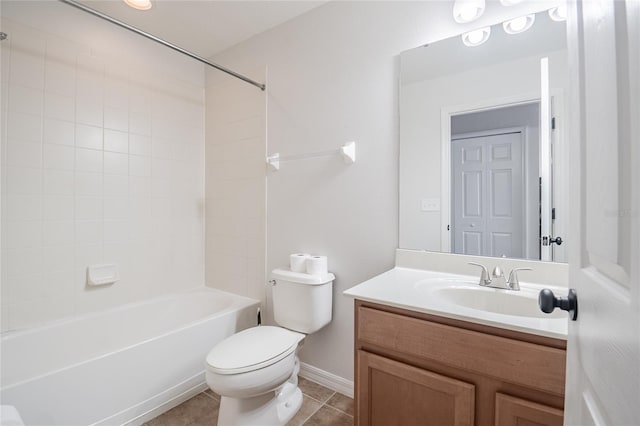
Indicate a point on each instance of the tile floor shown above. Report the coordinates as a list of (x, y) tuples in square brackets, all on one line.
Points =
[(320, 407)]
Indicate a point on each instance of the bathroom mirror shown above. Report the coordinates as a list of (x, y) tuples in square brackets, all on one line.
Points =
[(482, 153)]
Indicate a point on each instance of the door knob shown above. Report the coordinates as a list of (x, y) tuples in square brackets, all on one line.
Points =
[(548, 302), (548, 240), (556, 240)]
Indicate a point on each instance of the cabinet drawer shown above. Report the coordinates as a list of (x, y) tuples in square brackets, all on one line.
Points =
[(522, 363)]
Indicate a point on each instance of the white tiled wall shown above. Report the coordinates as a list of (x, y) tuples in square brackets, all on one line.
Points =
[(102, 162), (235, 186)]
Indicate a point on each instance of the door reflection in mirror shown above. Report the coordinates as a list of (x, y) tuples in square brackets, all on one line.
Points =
[(494, 182)]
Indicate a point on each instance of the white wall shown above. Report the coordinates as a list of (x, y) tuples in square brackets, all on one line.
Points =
[(102, 162), (332, 78)]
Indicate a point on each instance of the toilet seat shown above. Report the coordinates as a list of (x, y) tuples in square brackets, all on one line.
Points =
[(252, 349)]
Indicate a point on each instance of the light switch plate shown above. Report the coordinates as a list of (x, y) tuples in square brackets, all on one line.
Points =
[(430, 204)]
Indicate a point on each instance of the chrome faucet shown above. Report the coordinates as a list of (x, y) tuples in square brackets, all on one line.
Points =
[(513, 282), (484, 275), (497, 278)]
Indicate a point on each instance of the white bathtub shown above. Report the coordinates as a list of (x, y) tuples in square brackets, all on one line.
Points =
[(121, 366)]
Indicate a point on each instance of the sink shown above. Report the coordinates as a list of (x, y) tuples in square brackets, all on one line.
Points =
[(461, 297), (469, 294)]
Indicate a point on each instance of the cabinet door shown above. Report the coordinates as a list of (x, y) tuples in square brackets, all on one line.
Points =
[(392, 393), (511, 411)]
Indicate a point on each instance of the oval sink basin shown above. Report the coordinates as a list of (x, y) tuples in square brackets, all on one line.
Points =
[(506, 302)]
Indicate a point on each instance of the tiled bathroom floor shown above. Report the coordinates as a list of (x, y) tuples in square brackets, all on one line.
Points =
[(320, 407)]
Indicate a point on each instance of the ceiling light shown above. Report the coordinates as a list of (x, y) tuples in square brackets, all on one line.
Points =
[(519, 25), (139, 4), (476, 37), (509, 2), (467, 10), (559, 13)]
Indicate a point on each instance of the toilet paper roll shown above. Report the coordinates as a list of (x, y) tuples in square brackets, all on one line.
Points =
[(317, 265), (298, 262)]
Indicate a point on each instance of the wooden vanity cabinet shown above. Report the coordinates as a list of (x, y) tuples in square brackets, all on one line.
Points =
[(419, 369)]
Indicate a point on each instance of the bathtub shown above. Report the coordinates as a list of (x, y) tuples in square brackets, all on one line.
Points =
[(121, 366)]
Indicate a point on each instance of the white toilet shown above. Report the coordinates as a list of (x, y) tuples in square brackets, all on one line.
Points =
[(255, 371)]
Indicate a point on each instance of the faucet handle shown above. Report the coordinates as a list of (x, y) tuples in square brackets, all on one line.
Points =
[(513, 282), (484, 275)]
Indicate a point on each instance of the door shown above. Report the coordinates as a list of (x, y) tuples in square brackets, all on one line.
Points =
[(393, 393), (603, 362), (488, 195), (521, 412)]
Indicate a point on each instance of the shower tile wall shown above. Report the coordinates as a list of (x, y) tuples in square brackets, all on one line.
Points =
[(235, 185), (102, 162)]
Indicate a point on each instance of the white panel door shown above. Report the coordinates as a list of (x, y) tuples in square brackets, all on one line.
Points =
[(603, 362), (488, 195)]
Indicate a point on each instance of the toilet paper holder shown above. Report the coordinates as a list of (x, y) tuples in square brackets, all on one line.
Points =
[(347, 151)]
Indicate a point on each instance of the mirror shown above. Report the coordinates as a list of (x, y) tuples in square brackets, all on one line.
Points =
[(482, 159)]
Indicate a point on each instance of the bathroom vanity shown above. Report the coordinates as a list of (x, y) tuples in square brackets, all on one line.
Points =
[(423, 359), (415, 368)]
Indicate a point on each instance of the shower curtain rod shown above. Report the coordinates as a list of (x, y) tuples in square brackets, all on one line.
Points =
[(161, 41)]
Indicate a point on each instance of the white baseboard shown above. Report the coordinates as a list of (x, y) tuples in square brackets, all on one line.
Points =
[(327, 379)]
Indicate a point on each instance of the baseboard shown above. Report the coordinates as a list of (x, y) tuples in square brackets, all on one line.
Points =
[(327, 379)]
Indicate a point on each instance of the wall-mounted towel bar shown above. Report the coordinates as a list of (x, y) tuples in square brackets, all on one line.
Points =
[(348, 152)]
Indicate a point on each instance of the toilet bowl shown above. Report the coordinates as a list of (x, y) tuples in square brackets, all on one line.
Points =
[(255, 371)]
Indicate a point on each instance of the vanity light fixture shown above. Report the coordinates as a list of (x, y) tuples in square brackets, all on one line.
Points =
[(519, 25), (559, 13), (139, 4), (476, 37), (468, 10)]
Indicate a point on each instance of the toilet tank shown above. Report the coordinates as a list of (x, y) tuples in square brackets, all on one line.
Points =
[(302, 302)]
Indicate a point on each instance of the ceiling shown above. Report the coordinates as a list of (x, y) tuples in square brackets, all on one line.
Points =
[(205, 27)]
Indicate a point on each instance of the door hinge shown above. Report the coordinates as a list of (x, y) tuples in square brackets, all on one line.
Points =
[(553, 123), (553, 213)]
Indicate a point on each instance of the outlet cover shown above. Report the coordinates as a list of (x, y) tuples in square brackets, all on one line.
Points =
[(430, 205)]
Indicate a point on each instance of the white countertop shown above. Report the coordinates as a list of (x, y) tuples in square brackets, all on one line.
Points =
[(408, 288)]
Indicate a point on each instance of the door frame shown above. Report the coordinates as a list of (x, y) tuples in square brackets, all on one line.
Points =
[(448, 111), (524, 134)]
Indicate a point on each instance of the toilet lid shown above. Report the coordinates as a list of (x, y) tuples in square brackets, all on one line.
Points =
[(251, 349)]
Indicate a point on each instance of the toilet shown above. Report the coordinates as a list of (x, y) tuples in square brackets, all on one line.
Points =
[(255, 371)]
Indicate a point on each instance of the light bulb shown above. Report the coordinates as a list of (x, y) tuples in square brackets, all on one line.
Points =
[(476, 37), (468, 13), (467, 10), (519, 25), (139, 4), (559, 13)]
